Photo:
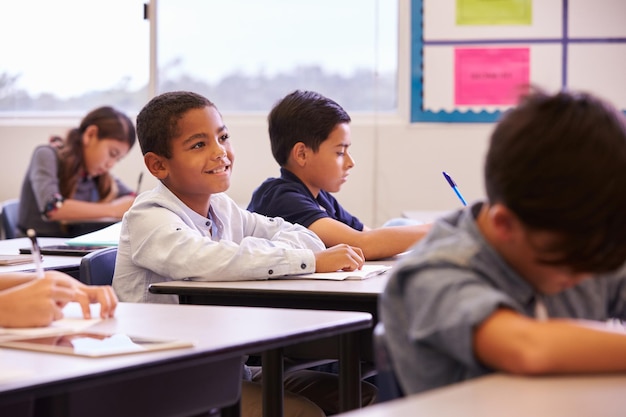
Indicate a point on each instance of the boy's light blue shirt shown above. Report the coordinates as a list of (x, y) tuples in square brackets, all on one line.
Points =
[(449, 284), (163, 240)]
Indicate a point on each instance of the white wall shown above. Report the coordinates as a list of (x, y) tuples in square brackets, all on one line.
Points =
[(398, 165)]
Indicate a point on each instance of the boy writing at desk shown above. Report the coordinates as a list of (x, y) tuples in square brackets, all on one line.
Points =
[(310, 138), (509, 284), (187, 228)]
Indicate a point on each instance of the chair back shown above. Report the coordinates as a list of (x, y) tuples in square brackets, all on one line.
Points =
[(386, 381), (9, 217), (97, 267)]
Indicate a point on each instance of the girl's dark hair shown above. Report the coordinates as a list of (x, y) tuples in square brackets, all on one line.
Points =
[(559, 163), (302, 116), (157, 122), (111, 124)]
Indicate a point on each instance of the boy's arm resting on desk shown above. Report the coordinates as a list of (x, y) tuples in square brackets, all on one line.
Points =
[(85, 210), (169, 247), (279, 231), (514, 343), (375, 243)]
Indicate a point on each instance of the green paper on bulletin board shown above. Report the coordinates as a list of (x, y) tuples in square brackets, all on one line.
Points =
[(493, 12)]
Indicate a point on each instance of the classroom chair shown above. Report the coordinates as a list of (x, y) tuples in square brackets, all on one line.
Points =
[(96, 268), (386, 381), (9, 217)]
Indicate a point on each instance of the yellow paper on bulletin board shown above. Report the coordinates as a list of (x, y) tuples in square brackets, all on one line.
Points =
[(493, 12)]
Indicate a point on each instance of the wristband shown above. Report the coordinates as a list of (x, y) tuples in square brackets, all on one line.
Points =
[(53, 204)]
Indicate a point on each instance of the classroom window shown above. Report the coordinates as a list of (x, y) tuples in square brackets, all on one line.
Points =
[(242, 54), (246, 54), (69, 56)]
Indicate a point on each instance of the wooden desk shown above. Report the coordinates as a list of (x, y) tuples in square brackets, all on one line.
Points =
[(67, 264), (175, 382), (513, 396)]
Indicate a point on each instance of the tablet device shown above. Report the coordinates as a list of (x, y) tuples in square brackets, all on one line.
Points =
[(65, 250), (91, 344)]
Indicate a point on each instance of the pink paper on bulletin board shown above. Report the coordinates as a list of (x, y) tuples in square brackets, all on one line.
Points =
[(490, 76)]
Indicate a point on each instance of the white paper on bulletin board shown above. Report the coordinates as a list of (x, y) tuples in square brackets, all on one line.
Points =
[(568, 44)]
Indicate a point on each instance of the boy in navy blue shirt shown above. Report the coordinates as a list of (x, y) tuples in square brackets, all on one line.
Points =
[(310, 138)]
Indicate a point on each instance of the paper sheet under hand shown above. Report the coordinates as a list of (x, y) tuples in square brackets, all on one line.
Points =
[(368, 271)]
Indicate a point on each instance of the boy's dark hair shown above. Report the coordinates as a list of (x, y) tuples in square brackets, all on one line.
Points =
[(157, 122), (559, 163), (302, 116)]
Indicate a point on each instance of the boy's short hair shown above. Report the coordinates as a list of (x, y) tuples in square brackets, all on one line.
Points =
[(559, 163), (302, 116), (157, 122)]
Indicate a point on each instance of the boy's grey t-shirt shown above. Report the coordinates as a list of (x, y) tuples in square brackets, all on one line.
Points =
[(449, 284)]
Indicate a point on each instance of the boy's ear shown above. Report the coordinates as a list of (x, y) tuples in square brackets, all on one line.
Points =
[(157, 165), (299, 154), (504, 222)]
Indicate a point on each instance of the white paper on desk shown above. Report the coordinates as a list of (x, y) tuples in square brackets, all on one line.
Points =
[(368, 271), (72, 321), (108, 236)]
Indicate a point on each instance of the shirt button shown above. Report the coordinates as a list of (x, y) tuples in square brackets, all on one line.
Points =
[(208, 223), (303, 266), (271, 219), (270, 272)]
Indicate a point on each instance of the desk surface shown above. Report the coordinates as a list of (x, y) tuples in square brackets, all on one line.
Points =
[(362, 295), (61, 263), (513, 396), (220, 333)]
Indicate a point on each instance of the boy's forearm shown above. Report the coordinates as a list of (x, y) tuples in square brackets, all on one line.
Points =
[(518, 344)]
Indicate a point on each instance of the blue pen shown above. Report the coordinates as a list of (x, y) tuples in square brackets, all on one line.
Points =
[(454, 187)]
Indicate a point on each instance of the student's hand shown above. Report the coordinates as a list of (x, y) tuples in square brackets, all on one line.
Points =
[(119, 206), (35, 303), (87, 294), (339, 257), (39, 302)]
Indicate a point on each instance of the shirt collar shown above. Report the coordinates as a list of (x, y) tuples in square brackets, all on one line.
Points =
[(506, 277)]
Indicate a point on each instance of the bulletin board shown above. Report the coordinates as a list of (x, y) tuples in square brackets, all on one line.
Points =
[(470, 59)]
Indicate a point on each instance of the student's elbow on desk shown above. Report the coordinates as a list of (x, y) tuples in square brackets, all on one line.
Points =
[(509, 342)]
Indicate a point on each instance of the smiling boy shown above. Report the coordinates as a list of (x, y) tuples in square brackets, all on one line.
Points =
[(187, 228)]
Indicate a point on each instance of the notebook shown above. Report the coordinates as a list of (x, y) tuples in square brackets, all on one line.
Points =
[(368, 271), (108, 236)]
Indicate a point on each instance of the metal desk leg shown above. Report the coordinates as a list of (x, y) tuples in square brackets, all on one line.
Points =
[(273, 390), (231, 411), (349, 372)]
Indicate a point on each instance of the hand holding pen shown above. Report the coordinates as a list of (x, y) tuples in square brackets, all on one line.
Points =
[(454, 187)]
